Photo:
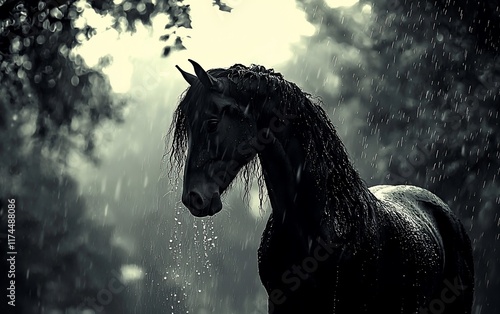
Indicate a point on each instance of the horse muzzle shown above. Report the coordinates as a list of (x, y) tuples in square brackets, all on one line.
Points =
[(201, 206)]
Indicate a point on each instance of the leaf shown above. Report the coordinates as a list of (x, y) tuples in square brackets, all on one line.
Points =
[(186, 23), (178, 44), (222, 6), (166, 51), (171, 23)]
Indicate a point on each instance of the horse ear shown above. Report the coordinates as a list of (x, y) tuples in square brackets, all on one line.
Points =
[(206, 79), (190, 78)]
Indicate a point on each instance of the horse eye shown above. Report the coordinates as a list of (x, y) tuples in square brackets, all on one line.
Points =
[(212, 125)]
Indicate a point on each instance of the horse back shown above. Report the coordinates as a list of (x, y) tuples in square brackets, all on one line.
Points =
[(434, 251)]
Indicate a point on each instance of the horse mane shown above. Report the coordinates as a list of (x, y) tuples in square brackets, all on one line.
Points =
[(349, 201)]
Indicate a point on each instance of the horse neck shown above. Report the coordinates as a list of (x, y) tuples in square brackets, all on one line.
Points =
[(300, 195)]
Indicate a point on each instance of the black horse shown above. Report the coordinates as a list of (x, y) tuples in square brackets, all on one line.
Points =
[(331, 244)]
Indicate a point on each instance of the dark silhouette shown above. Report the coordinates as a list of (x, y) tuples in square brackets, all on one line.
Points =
[(331, 244)]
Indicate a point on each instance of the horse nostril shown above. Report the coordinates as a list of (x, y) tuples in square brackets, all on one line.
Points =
[(195, 200)]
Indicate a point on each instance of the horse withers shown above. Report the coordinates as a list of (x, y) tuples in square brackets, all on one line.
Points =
[(331, 244)]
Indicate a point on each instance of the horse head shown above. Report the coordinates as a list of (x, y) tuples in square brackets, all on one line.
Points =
[(219, 131)]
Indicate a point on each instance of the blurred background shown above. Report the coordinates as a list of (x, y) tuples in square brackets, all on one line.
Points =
[(86, 98)]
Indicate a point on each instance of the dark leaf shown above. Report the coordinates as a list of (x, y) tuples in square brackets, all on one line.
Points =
[(166, 51), (222, 6), (171, 23), (178, 44)]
